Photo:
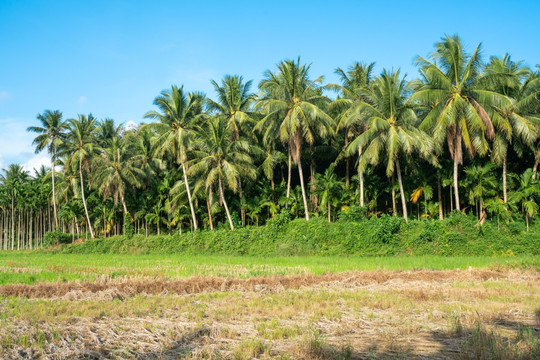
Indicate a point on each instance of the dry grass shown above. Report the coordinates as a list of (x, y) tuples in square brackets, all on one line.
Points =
[(124, 287), (476, 314)]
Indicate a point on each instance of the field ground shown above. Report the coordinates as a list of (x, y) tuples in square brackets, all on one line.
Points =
[(154, 307)]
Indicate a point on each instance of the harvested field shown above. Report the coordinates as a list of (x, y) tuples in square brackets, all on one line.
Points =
[(435, 314), (194, 285)]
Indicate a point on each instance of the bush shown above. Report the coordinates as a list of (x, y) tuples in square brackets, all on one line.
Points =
[(388, 228), (57, 237), (377, 236), (353, 213), (129, 231)]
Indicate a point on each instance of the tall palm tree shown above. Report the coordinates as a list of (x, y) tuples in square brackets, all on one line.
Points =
[(527, 194), (328, 188), (234, 103), (79, 149), (221, 161), (480, 183), (354, 84), (291, 94), (455, 98), (391, 128), (50, 136), (13, 179), (516, 121), (107, 131), (116, 170), (179, 113)]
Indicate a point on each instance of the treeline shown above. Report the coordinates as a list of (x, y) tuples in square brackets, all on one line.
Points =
[(463, 136)]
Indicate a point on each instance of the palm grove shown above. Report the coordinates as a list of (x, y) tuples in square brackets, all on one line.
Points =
[(464, 136)]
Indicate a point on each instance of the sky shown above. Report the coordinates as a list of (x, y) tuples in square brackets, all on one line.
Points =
[(112, 58)]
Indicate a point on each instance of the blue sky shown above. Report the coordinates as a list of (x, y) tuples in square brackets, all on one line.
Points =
[(113, 57)]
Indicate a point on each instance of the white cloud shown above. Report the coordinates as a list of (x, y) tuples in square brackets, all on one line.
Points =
[(131, 125), (16, 144), (82, 100), (36, 161)]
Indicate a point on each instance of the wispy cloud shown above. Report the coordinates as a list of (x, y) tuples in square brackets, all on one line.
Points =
[(16, 145), (4, 95), (82, 100), (36, 161)]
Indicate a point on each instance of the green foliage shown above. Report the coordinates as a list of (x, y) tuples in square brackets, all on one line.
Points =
[(387, 228), (57, 237), (280, 220), (353, 213), (129, 231), (383, 236)]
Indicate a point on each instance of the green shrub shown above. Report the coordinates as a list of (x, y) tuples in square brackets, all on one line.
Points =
[(129, 231), (388, 228), (353, 213), (57, 237), (378, 236)]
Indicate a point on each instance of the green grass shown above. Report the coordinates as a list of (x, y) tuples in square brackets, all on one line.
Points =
[(30, 268)]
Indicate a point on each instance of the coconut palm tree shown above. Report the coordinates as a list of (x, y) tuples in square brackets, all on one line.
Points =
[(221, 161), (290, 93), (116, 170), (12, 180), (107, 131), (390, 131), (527, 194), (354, 85), (234, 103), (480, 183), (79, 149), (50, 136), (515, 122), (178, 114), (455, 99), (328, 188)]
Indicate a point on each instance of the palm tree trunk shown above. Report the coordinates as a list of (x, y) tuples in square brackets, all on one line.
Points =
[(53, 161), (225, 204), (12, 222), (313, 197), (456, 192), (451, 201), (329, 210), (394, 207), (84, 201), (123, 203), (361, 178), (439, 193), (504, 178), (306, 211), (403, 203), (535, 167), (209, 206), (289, 177), (189, 196), (347, 171), (19, 232)]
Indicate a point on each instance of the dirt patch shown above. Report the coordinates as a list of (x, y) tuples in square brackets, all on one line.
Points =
[(122, 288)]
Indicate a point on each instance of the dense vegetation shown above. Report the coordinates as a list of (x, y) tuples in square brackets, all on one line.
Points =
[(464, 136), (387, 235)]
